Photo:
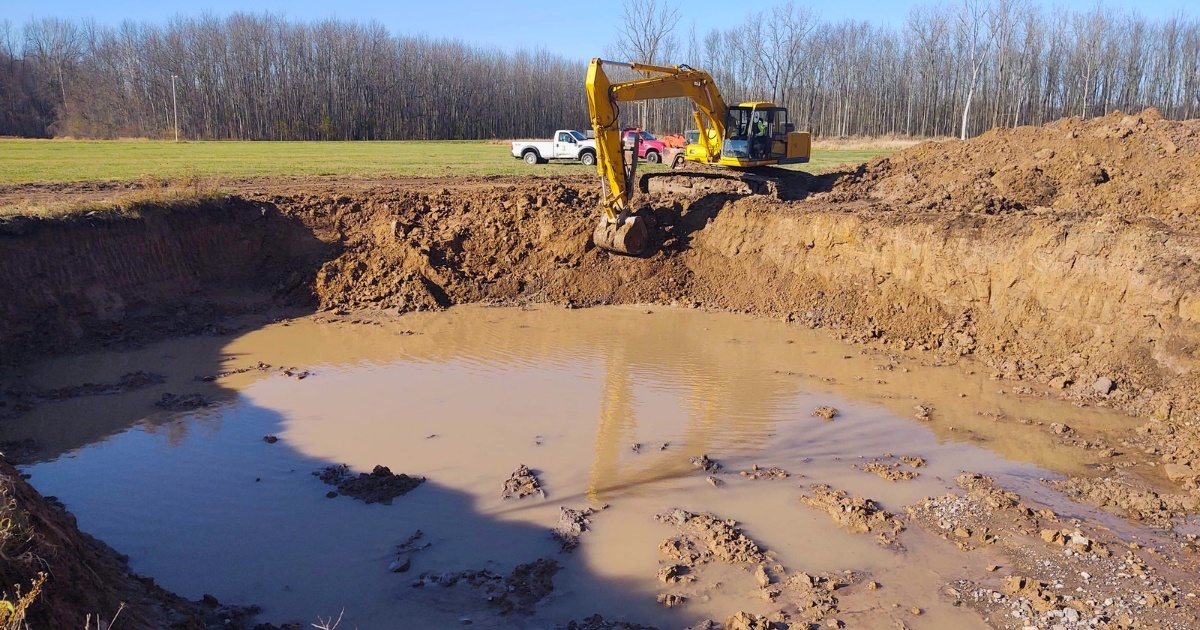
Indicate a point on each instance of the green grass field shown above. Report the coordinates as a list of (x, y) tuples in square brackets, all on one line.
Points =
[(26, 161)]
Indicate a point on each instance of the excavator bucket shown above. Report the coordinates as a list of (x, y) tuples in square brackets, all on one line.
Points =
[(627, 236)]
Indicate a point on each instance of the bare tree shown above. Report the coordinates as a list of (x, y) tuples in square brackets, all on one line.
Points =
[(976, 30), (949, 70), (646, 35)]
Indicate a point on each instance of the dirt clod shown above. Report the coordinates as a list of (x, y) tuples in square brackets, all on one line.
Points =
[(571, 525), (704, 537), (856, 514), (522, 483), (377, 486), (825, 411), (704, 463)]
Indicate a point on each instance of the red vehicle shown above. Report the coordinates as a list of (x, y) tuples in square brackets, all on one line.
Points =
[(651, 149)]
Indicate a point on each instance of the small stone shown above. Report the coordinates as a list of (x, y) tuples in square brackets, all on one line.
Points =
[(826, 412), (873, 585), (400, 565), (270, 439), (331, 494), (992, 568), (1051, 536), (760, 575), (916, 611), (1179, 473), (1103, 386), (670, 600)]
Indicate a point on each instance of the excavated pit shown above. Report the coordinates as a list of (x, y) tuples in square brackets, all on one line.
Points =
[(1059, 261)]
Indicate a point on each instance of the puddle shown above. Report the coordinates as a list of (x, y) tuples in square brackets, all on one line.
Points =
[(200, 502)]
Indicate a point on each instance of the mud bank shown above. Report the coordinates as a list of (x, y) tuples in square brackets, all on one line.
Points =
[(97, 279)]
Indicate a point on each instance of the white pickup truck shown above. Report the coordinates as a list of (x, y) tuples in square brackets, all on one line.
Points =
[(567, 144)]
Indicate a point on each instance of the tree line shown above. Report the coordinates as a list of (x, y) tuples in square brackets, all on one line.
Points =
[(950, 69)]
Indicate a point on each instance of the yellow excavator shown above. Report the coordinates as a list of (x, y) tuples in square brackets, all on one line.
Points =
[(744, 137)]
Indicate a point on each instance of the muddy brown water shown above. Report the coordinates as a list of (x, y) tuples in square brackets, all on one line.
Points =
[(201, 503)]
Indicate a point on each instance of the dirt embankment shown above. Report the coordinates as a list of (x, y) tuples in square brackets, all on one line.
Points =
[(69, 283), (1064, 255)]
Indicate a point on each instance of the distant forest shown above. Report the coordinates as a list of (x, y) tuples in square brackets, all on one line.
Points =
[(950, 69)]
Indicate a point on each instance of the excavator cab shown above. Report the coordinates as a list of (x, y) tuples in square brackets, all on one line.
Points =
[(759, 134)]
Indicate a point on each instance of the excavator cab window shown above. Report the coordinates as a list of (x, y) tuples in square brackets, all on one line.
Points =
[(755, 133)]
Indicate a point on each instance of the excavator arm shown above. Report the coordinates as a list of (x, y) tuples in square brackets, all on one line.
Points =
[(618, 231)]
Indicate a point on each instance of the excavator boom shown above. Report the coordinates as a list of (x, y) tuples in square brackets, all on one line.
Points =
[(618, 231)]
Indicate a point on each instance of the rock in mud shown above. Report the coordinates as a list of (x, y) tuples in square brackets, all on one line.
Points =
[(856, 514), (522, 483), (405, 552), (674, 573), (704, 463), (182, 402), (748, 621), (922, 412), (1103, 386), (377, 486), (671, 600), (773, 472), (825, 411), (571, 525), (891, 473), (704, 537)]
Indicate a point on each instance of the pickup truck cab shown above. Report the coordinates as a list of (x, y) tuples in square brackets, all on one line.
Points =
[(651, 149), (567, 144)]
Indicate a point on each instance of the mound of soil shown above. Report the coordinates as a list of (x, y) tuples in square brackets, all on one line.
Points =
[(1135, 167), (704, 538), (522, 483)]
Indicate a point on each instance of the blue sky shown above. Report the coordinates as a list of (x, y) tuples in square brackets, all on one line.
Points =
[(572, 28)]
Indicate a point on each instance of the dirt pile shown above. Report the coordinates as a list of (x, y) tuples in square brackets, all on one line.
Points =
[(704, 538), (1135, 167), (1056, 571), (522, 483)]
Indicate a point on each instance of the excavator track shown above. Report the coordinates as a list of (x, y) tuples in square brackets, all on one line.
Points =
[(703, 182)]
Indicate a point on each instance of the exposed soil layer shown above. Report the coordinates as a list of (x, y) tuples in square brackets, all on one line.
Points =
[(1063, 256)]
